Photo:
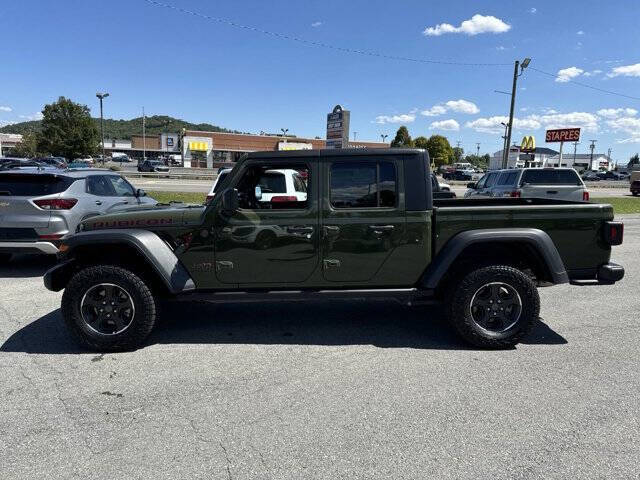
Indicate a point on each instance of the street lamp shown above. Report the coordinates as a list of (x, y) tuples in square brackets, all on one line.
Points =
[(102, 96), (525, 64), (384, 137)]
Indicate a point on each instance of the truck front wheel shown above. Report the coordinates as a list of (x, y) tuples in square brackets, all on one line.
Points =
[(108, 308), (494, 307)]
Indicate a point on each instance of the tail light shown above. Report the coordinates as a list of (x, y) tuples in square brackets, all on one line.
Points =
[(209, 198), (56, 203), (56, 236), (613, 232), (284, 198), (585, 196), (515, 194)]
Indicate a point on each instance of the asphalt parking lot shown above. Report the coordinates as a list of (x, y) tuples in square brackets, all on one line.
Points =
[(324, 390)]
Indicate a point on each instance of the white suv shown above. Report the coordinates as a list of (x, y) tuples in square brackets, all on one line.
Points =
[(556, 183), (285, 185)]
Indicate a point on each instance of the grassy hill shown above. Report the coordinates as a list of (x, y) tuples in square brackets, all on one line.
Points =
[(123, 129)]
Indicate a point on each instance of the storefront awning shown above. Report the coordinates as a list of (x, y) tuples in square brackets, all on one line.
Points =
[(198, 146)]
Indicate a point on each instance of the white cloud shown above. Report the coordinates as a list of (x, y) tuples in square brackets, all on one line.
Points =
[(450, 125), (625, 71), (567, 74), (434, 111), (500, 48), (585, 120), (475, 25), (35, 116), (5, 109), (628, 125), (4, 123), (402, 118), (462, 106), (617, 112), (579, 32), (533, 10), (494, 124), (592, 73), (458, 106), (316, 24)]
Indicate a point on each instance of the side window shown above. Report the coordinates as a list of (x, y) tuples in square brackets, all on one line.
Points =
[(491, 180), (121, 186), (274, 192), (482, 182), (363, 185), (99, 185)]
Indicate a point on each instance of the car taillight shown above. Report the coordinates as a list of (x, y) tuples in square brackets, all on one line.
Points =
[(284, 198), (585, 196), (515, 194), (56, 203), (613, 232), (209, 198), (56, 236)]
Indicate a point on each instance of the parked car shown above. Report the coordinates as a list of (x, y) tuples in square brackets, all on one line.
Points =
[(120, 158), (58, 162), (78, 164), (458, 175), (40, 206), (18, 163), (482, 188), (440, 190), (557, 183), (610, 176), (152, 166), (635, 183), (281, 185), (590, 176), (369, 229), (222, 174)]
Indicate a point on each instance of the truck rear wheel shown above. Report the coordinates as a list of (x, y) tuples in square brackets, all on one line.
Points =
[(108, 309), (494, 307)]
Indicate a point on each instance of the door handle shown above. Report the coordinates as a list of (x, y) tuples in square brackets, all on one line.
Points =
[(381, 228), (300, 229), (98, 202), (331, 230)]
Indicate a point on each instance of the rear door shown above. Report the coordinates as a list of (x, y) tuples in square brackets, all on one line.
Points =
[(560, 184), (363, 217), (20, 216)]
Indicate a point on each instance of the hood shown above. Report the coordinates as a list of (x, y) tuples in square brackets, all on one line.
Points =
[(146, 217)]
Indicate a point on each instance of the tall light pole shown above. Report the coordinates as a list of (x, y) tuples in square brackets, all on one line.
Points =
[(384, 137), (144, 137), (525, 64), (284, 133), (592, 146), (102, 96)]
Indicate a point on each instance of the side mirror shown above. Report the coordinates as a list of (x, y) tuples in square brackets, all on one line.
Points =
[(258, 192), (472, 185), (230, 200), (141, 193)]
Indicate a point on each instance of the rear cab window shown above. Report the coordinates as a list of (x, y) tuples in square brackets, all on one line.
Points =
[(33, 185), (363, 185), (550, 177), (507, 178)]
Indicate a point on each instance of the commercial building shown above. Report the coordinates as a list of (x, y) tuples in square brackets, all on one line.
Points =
[(581, 161), (537, 158), (209, 149), (8, 141)]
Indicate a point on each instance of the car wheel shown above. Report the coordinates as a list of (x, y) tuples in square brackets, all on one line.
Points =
[(494, 307), (4, 258), (108, 309)]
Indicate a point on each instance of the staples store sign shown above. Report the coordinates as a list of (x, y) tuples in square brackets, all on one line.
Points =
[(563, 135)]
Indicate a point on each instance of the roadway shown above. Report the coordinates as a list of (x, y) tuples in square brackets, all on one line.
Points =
[(323, 390)]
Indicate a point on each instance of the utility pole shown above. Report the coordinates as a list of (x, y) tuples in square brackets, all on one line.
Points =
[(504, 143), (478, 149), (355, 134), (609, 157), (525, 64), (575, 149), (592, 146), (144, 137), (102, 96)]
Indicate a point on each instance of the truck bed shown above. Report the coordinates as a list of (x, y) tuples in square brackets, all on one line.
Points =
[(576, 228)]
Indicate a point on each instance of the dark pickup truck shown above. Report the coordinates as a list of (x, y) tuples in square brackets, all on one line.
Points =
[(350, 223)]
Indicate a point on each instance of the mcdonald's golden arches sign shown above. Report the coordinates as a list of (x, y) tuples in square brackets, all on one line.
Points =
[(528, 144)]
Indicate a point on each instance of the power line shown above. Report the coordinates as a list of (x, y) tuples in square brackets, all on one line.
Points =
[(319, 44), (585, 85)]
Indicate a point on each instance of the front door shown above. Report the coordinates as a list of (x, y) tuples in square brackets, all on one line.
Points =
[(363, 218), (273, 237)]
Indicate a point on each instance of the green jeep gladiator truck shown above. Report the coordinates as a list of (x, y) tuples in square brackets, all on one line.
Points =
[(327, 224)]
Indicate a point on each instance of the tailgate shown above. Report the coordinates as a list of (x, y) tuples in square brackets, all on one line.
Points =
[(559, 192)]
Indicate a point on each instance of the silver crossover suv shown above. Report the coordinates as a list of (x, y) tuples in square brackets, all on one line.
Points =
[(40, 206)]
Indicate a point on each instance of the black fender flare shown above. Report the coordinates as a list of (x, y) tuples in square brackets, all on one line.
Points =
[(150, 246), (534, 237)]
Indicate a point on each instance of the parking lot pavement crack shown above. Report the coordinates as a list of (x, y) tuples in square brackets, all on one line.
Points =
[(226, 456)]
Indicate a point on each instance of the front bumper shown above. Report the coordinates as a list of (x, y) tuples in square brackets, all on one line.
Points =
[(610, 273), (47, 248)]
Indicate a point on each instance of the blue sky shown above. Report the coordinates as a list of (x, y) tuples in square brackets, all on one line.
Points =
[(203, 71)]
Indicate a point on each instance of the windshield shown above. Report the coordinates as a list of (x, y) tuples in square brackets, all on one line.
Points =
[(551, 177)]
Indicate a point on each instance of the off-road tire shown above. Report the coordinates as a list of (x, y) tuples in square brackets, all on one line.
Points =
[(143, 300), (458, 306)]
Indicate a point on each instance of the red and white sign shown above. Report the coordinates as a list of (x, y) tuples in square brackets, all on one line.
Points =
[(563, 135)]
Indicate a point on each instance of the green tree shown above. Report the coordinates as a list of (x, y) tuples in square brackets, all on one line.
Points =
[(634, 161), (481, 162), (440, 150), (421, 142), (458, 152), (28, 147), (68, 130), (403, 139)]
